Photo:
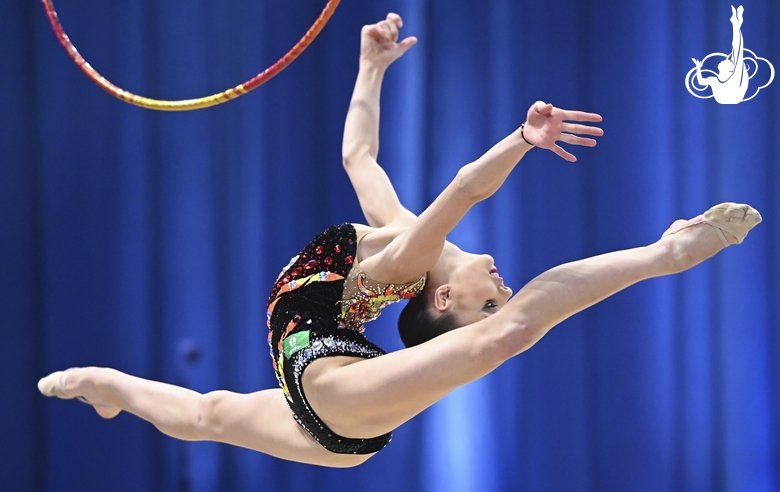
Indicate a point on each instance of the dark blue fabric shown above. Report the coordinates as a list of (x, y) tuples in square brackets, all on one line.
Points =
[(129, 237)]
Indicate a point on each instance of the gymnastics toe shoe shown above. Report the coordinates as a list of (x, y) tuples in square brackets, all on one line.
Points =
[(736, 219)]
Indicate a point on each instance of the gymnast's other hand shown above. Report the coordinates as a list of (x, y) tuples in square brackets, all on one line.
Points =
[(379, 42), (547, 124)]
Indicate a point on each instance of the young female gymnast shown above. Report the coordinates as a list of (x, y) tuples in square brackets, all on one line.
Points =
[(342, 395)]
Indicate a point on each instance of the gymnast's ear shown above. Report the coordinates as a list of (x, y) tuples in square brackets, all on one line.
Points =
[(442, 298)]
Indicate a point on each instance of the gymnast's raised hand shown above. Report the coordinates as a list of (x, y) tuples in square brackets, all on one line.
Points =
[(340, 396), (379, 42), (546, 125)]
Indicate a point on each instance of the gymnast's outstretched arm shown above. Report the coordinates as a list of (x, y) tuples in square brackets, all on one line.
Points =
[(360, 147), (416, 250)]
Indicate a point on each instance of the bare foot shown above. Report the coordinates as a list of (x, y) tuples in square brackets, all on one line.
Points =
[(78, 383), (689, 242)]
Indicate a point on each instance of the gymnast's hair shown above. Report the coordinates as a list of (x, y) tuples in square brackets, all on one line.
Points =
[(417, 324)]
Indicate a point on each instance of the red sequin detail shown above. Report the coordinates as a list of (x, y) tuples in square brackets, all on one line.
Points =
[(311, 264), (337, 248), (319, 250), (328, 260), (297, 271), (348, 260)]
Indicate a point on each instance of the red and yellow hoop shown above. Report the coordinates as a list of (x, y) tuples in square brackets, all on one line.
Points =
[(189, 104)]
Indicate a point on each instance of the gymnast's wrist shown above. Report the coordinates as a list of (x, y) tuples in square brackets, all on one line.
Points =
[(523, 136), (372, 66)]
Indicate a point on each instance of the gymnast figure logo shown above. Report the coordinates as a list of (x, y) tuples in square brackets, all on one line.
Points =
[(730, 84)]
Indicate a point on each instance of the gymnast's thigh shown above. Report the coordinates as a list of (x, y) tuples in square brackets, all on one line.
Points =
[(363, 398), (262, 421)]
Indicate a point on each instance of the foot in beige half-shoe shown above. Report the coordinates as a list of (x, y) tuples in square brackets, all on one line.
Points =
[(733, 218), (54, 385)]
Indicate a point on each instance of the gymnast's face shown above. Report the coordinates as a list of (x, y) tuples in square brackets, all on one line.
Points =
[(474, 290)]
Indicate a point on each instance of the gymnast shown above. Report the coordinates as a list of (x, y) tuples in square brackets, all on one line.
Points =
[(341, 396)]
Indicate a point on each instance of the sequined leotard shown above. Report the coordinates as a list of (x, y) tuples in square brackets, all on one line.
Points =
[(317, 308)]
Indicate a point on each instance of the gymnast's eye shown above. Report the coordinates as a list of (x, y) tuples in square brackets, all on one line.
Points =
[(490, 306)]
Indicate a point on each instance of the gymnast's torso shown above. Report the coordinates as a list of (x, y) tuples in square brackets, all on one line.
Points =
[(318, 308)]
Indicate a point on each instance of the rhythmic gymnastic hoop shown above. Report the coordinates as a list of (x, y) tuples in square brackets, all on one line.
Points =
[(189, 104)]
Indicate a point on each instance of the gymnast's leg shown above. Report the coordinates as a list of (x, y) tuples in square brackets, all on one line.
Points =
[(260, 421), (366, 398), (371, 397)]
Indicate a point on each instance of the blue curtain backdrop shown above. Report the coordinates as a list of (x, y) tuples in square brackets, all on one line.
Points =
[(148, 241)]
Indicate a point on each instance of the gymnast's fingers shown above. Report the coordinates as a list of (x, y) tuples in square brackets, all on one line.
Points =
[(395, 19), (392, 29), (582, 129), (372, 31), (581, 116), (575, 140), (384, 32), (407, 43), (563, 154)]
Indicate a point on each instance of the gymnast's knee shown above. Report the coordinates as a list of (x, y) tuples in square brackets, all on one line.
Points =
[(207, 420), (509, 338)]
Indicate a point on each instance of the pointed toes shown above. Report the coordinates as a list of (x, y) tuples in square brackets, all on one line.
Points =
[(736, 218), (48, 385), (754, 217)]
